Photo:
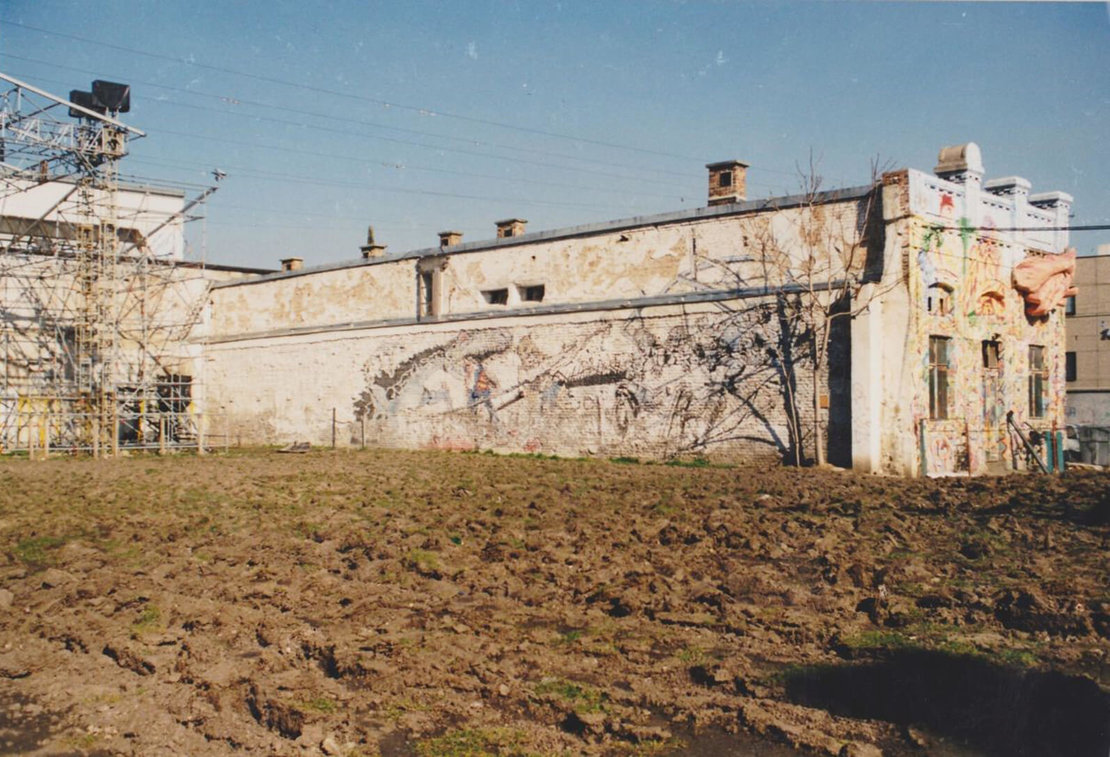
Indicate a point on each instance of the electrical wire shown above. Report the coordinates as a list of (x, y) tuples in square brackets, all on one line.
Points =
[(235, 101), (413, 167), (260, 175), (424, 111), (361, 135)]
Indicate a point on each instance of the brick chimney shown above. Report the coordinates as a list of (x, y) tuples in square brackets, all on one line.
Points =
[(292, 264), (728, 182), (510, 227), (449, 238), (370, 249)]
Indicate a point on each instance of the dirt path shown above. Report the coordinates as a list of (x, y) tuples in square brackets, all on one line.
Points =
[(448, 604)]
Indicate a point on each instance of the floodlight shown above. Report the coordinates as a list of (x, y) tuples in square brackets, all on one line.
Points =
[(115, 97), (85, 100)]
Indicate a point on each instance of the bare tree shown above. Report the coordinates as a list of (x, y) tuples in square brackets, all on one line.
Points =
[(815, 256)]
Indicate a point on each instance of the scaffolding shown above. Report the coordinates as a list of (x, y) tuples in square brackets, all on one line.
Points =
[(93, 322)]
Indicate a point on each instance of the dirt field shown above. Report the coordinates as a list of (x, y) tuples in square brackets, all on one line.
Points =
[(393, 603)]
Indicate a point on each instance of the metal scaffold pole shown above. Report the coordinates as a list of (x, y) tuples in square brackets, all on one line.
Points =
[(94, 322)]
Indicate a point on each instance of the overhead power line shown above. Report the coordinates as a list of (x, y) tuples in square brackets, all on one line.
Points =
[(421, 110), (260, 175), (408, 167), (1080, 227), (236, 101), (300, 124)]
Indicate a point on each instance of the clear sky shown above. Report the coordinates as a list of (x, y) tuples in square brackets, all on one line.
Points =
[(419, 117)]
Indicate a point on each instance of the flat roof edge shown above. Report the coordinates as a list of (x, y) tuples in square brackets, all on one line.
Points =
[(569, 232)]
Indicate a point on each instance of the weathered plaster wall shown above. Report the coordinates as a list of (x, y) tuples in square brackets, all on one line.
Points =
[(947, 255), (665, 378), (658, 382), (753, 249), (1089, 408), (144, 209), (327, 297)]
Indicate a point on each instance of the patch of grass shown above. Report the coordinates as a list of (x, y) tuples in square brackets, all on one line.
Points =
[(569, 637), (664, 508), (322, 705), (878, 640), (422, 561), (474, 742), (584, 698), (697, 462), (398, 707), (84, 742), (625, 460), (308, 530), (149, 620), (960, 647), (1018, 657), (532, 456), (35, 552), (694, 655)]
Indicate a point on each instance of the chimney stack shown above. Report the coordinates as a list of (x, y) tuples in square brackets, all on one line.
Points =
[(292, 264), (370, 249), (510, 227), (962, 164), (449, 238), (728, 182)]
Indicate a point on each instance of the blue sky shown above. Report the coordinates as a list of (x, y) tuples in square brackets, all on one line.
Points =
[(419, 116)]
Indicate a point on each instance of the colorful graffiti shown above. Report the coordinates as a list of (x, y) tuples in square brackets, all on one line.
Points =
[(658, 386), (988, 365)]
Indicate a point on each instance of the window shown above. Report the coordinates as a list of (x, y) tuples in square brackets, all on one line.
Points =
[(938, 299), (1069, 305), (533, 293), (990, 355), (725, 180), (938, 377), (1069, 366), (1038, 381), (496, 296), (427, 293)]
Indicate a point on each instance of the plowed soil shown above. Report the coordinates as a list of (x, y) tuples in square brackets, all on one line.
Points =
[(396, 603)]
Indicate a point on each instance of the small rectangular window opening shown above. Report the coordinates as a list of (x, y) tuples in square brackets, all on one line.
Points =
[(990, 355), (1069, 366), (427, 294), (532, 293), (1069, 305), (938, 300), (726, 179), (938, 377), (496, 296), (1038, 381)]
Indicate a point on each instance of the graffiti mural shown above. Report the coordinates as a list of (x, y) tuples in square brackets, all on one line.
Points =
[(988, 365), (659, 386)]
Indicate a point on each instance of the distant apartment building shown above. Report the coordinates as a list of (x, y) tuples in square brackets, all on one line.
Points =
[(1087, 355)]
